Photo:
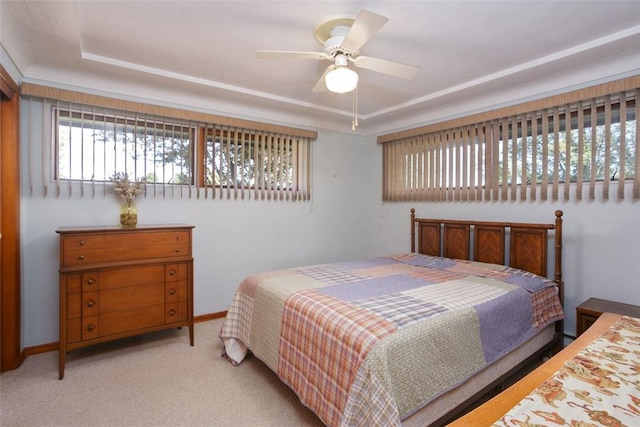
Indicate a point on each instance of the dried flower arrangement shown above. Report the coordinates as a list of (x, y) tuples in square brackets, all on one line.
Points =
[(127, 189)]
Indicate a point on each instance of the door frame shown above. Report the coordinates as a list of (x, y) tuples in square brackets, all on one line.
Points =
[(11, 353)]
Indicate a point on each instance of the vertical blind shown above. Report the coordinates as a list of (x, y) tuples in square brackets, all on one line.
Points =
[(75, 148), (239, 163), (545, 153)]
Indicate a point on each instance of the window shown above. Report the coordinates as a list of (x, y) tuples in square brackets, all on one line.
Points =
[(522, 155), (77, 145), (93, 146), (266, 164)]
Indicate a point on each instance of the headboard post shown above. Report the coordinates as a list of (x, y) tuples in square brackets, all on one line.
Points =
[(413, 230), (558, 254)]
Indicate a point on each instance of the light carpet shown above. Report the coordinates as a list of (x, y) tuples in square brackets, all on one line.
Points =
[(155, 379)]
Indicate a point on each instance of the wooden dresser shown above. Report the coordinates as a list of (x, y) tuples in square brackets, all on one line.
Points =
[(117, 282)]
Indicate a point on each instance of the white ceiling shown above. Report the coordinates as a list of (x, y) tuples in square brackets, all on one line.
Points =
[(473, 55)]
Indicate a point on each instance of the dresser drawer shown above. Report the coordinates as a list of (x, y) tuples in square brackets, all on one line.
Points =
[(120, 322), (584, 322), (175, 272), (176, 291), (131, 298), (127, 276), (90, 327), (176, 312), (86, 249)]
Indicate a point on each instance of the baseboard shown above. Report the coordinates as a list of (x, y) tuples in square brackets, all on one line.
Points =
[(43, 348), (210, 316)]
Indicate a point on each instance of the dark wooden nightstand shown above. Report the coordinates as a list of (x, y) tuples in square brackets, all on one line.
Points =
[(589, 311)]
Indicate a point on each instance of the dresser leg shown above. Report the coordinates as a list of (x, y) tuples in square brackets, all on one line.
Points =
[(61, 360)]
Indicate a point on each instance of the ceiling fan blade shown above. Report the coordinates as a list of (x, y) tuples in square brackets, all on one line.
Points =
[(284, 54), (321, 86), (396, 69), (367, 23)]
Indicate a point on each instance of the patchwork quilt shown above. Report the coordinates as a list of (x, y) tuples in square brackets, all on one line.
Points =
[(370, 342)]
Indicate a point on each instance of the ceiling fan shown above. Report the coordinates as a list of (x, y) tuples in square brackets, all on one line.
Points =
[(342, 38)]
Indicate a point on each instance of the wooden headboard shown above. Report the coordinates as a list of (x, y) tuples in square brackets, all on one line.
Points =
[(486, 241)]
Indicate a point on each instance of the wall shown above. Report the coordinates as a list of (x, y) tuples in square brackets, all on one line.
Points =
[(232, 238), (601, 239)]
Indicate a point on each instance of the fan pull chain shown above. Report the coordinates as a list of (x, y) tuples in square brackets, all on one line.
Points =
[(354, 122)]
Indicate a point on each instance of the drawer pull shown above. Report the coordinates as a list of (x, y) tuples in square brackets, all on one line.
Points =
[(81, 257), (91, 303), (91, 327), (90, 281), (172, 291), (172, 272), (81, 243), (172, 312), (178, 238), (177, 249)]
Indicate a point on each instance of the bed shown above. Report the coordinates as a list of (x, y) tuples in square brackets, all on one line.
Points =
[(593, 381), (407, 338)]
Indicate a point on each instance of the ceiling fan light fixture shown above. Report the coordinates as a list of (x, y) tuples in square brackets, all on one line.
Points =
[(341, 80)]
